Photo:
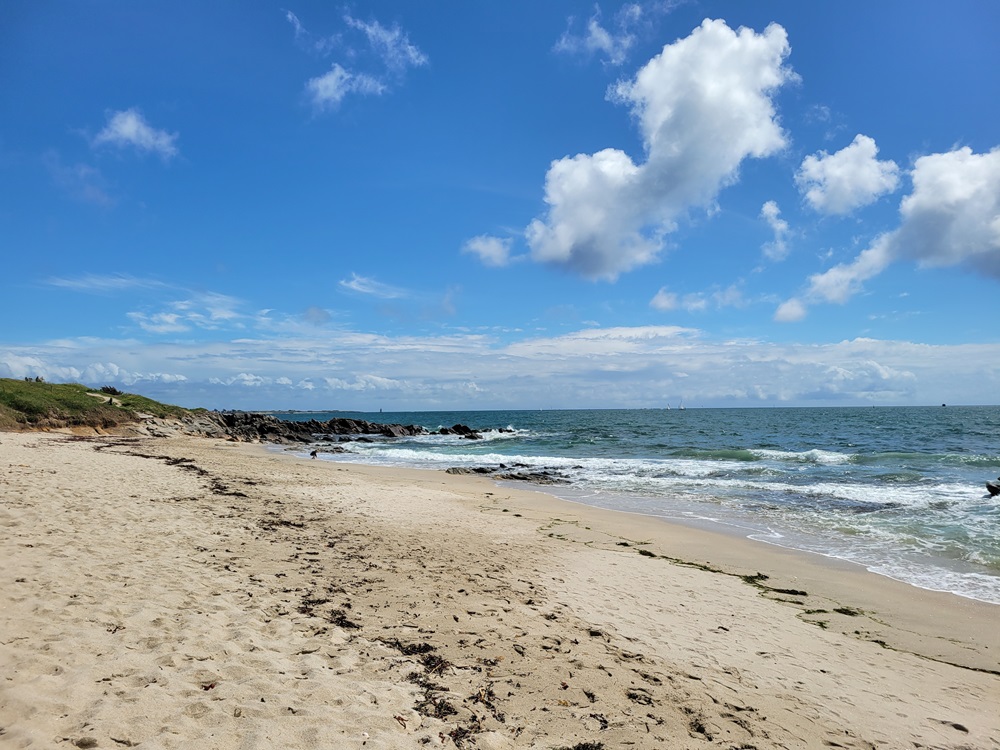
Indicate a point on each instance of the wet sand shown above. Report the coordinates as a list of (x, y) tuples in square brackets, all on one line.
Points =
[(194, 593)]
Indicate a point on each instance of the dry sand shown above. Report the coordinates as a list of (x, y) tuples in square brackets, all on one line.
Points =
[(194, 593)]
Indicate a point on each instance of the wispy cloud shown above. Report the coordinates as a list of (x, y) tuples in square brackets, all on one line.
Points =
[(207, 311), (365, 285), (188, 309), (316, 316), (129, 129), (613, 46), (328, 90), (211, 307), (374, 59), (82, 181), (162, 322), (613, 40), (392, 44), (300, 30), (313, 43), (732, 296), (104, 283)]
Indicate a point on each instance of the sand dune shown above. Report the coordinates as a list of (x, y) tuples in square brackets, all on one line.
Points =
[(194, 593)]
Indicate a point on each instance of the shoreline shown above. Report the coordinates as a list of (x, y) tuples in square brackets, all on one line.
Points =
[(188, 589), (843, 583), (819, 580), (729, 527), (734, 530)]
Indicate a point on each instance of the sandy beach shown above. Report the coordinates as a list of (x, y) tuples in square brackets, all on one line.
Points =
[(188, 592)]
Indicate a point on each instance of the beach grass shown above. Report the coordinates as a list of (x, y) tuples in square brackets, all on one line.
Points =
[(32, 404)]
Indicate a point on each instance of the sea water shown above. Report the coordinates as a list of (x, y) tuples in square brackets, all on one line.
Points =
[(899, 490)]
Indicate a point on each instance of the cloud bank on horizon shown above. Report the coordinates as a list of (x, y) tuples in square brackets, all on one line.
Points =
[(370, 222)]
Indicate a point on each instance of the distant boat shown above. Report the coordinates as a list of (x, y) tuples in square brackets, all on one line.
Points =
[(681, 406)]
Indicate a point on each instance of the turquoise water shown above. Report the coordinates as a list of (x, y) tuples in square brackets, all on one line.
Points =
[(899, 490)]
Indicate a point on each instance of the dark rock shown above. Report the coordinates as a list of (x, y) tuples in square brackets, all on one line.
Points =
[(462, 431), (538, 476), (394, 430), (248, 427)]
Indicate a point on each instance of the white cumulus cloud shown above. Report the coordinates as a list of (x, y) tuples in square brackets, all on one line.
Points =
[(848, 179), (703, 106), (105, 372), (364, 383), (244, 379), (492, 251), (128, 128), (777, 249), (952, 218)]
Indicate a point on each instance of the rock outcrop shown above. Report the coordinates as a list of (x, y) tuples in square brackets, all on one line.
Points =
[(265, 428), (249, 427), (515, 473)]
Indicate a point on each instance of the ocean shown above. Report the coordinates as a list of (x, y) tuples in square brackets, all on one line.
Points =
[(898, 490)]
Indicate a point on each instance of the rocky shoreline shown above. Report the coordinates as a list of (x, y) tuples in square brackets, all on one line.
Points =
[(250, 427)]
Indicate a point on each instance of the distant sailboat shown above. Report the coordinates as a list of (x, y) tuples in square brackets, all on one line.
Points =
[(681, 406)]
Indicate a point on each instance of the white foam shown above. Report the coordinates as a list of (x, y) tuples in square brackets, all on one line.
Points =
[(814, 456)]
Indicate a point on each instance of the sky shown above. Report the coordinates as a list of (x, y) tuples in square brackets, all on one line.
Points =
[(503, 205)]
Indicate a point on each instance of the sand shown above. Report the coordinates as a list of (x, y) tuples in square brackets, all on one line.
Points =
[(195, 593)]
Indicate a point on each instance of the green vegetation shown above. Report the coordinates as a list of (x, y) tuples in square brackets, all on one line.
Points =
[(32, 404)]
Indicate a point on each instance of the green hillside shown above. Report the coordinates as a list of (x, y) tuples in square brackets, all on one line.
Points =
[(31, 404)]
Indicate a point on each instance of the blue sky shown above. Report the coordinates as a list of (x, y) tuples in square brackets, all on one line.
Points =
[(462, 205)]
